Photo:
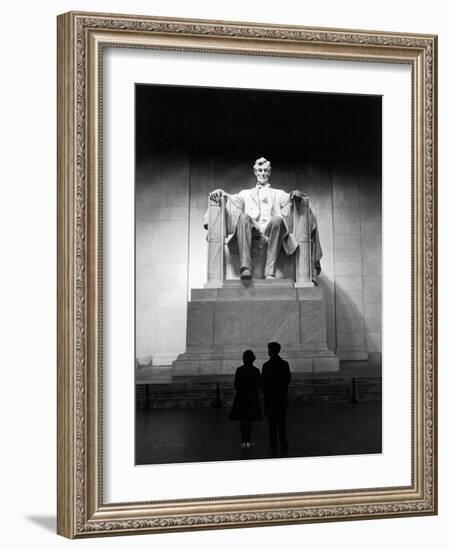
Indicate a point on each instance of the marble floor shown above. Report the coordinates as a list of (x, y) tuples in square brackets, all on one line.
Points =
[(206, 434)]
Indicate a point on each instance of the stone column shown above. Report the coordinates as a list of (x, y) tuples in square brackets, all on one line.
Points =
[(215, 239), (303, 255)]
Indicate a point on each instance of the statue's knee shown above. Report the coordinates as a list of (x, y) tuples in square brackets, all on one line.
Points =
[(277, 221), (244, 218)]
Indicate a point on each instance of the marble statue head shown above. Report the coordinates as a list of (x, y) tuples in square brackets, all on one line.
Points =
[(262, 170)]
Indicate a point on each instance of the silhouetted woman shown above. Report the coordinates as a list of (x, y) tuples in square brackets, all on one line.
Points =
[(246, 406)]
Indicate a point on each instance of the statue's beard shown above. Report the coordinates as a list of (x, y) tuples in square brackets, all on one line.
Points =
[(262, 180)]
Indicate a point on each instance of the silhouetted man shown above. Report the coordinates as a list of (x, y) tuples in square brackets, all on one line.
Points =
[(275, 380)]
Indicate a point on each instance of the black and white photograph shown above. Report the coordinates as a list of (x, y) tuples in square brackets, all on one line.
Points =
[(258, 274)]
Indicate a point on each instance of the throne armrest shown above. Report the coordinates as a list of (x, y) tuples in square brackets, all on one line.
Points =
[(301, 224), (215, 223)]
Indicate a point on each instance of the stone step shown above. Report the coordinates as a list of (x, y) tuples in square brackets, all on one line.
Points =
[(259, 290)]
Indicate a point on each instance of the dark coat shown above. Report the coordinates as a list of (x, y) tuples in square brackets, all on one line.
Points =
[(246, 406), (274, 382)]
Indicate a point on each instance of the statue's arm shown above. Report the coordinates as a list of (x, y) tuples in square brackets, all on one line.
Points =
[(284, 200), (287, 198), (236, 200)]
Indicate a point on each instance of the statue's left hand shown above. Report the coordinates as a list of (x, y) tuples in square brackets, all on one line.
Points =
[(297, 195)]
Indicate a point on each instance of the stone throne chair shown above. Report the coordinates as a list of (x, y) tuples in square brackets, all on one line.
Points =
[(228, 315)]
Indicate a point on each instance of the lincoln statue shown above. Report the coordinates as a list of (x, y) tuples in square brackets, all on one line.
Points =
[(264, 216), (258, 226)]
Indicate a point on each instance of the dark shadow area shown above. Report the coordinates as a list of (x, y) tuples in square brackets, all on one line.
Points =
[(46, 522), (206, 434), (227, 123)]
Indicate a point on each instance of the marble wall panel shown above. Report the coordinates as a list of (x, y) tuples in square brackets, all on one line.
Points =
[(256, 322), (372, 254), (373, 311), (170, 333), (324, 221), (346, 267), (172, 279), (174, 212), (373, 240), (314, 179), (353, 297), (228, 323), (169, 298), (347, 241), (274, 321), (374, 341), (346, 221), (373, 324), (349, 309), (370, 225), (372, 282), (320, 190), (350, 282), (351, 339), (372, 267), (349, 255), (312, 333), (146, 325), (162, 213), (372, 296), (200, 322), (349, 324), (346, 195)]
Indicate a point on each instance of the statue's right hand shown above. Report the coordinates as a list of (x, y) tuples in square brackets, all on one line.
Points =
[(217, 194)]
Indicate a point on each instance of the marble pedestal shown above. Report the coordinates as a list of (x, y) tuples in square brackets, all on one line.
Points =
[(223, 322)]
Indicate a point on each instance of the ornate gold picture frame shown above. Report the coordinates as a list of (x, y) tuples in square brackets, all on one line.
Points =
[(82, 40)]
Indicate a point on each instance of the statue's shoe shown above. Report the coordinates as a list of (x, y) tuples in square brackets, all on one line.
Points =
[(270, 277), (245, 274)]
